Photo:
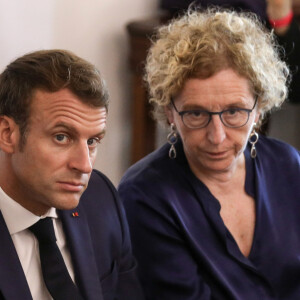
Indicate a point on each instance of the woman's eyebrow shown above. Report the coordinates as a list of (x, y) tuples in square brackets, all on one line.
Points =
[(192, 107), (236, 104)]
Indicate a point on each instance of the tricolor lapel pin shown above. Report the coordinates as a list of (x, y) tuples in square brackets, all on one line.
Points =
[(75, 214)]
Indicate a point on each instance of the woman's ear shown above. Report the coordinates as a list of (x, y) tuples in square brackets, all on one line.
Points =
[(9, 134), (257, 111), (257, 117), (169, 114)]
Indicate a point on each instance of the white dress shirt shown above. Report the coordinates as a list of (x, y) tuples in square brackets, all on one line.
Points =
[(18, 220)]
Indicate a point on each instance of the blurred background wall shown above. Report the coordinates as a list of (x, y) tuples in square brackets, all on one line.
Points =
[(94, 30)]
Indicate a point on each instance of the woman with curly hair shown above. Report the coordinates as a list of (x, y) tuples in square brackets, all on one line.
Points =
[(214, 213)]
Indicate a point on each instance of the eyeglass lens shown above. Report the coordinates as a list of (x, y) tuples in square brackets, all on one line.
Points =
[(230, 118)]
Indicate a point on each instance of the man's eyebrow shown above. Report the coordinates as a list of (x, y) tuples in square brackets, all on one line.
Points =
[(101, 133), (68, 127), (74, 131)]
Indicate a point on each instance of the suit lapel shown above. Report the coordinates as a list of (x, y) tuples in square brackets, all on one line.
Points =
[(13, 284), (82, 253)]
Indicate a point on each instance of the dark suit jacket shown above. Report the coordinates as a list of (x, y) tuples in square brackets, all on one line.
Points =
[(99, 244)]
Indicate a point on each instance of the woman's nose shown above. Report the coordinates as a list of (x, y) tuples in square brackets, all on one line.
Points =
[(216, 130)]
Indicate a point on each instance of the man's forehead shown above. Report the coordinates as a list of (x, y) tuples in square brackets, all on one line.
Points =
[(63, 98), (64, 106)]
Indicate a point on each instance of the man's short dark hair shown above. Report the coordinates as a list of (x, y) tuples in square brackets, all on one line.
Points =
[(50, 71)]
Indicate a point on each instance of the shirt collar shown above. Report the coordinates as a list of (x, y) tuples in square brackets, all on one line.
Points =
[(18, 218)]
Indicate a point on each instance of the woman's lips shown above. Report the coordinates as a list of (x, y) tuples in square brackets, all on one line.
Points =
[(219, 154)]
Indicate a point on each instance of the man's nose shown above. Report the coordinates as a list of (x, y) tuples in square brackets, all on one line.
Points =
[(215, 130), (80, 159)]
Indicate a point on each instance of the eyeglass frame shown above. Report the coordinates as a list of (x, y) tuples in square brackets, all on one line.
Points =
[(211, 113)]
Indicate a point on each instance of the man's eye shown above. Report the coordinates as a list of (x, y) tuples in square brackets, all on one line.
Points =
[(93, 142), (62, 138)]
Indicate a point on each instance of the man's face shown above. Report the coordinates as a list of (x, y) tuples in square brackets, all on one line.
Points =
[(54, 166)]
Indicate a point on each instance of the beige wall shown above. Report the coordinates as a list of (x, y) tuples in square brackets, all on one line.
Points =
[(93, 29)]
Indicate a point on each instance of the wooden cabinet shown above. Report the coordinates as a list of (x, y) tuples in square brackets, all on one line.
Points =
[(143, 126)]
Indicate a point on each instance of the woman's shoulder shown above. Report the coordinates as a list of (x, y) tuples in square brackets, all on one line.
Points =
[(272, 148), (154, 172), (148, 168), (277, 157)]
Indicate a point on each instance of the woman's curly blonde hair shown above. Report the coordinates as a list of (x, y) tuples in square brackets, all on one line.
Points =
[(201, 43)]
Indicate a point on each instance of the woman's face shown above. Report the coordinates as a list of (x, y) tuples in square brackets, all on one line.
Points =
[(214, 148)]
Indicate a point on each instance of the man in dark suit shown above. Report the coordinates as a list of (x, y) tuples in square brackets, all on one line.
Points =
[(53, 108)]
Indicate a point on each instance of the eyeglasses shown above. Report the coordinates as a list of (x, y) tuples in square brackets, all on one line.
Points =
[(232, 117)]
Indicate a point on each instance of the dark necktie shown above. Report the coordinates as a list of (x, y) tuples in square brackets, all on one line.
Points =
[(55, 273)]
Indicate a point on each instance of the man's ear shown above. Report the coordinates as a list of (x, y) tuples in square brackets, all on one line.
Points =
[(9, 134)]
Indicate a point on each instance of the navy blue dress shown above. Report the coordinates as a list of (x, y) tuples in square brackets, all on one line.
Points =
[(184, 250)]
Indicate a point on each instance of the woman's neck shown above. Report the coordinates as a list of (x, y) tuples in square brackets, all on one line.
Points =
[(224, 179)]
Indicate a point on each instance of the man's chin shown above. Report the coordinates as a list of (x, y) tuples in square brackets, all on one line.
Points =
[(68, 204)]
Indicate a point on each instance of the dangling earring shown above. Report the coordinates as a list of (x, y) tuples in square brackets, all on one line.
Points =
[(172, 140), (253, 139)]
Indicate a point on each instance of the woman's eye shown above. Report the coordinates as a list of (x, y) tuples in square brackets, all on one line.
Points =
[(232, 111), (194, 113)]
